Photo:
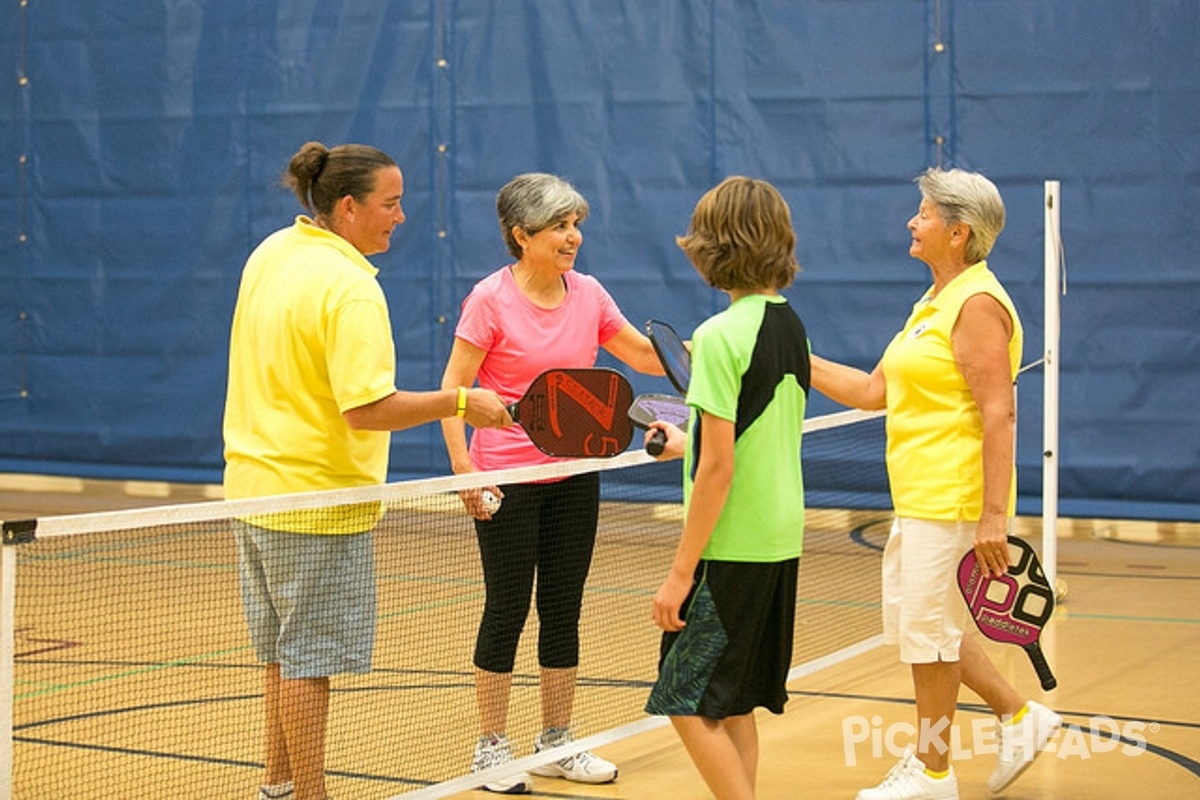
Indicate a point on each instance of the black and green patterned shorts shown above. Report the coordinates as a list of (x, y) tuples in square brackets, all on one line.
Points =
[(735, 652)]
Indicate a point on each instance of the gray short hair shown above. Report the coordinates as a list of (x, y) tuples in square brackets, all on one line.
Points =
[(533, 202), (966, 197)]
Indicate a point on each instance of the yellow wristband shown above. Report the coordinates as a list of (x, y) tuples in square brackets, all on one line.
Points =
[(461, 410)]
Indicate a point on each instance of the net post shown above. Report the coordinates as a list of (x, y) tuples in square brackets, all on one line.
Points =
[(14, 533), (1052, 272)]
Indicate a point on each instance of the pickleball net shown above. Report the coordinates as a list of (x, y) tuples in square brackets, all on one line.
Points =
[(127, 670)]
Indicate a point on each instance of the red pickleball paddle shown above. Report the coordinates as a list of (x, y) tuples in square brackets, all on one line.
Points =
[(577, 413)]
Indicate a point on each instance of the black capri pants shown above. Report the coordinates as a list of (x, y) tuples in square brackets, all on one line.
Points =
[(542, 530)]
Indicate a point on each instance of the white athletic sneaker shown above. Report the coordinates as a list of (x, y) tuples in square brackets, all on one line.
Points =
[(582, 767), (908, 781), (492, 751), (1020, 743), (279, 791)]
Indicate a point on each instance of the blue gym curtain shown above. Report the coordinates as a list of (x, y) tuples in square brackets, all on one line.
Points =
[(144, 140)]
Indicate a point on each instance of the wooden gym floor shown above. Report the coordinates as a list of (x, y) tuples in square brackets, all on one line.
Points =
[(1124, 646)]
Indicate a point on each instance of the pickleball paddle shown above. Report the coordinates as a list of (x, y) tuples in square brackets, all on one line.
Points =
[(1012, 608), (676, 362), (577, 413), (647, 408)]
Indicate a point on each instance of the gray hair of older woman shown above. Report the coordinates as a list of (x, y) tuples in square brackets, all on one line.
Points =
[(970, 198), (533, 202)]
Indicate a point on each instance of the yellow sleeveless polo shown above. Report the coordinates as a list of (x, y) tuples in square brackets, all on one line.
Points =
[(934, 431)]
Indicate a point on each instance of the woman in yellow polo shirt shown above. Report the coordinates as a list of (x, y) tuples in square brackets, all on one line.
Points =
[(310, 402), (946, 381)]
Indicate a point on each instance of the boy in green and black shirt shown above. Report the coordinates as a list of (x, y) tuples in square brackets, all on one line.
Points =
[(727, 607)]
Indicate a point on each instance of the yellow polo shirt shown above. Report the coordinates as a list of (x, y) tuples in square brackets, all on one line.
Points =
[(310, 339), (934, 431)]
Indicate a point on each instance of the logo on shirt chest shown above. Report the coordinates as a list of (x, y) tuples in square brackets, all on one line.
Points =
[(917, 331)]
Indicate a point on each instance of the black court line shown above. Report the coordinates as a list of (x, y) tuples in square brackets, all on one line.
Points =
[(1179, 759), (462, 679), (859, 535), (257, 766), (223, 762)]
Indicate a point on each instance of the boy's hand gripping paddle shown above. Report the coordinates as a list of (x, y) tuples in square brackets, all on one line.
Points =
[(647, 408)]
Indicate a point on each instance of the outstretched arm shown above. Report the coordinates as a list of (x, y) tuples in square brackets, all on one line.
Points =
[(461, 370), (849, 386), (634, 348), (401, 410)]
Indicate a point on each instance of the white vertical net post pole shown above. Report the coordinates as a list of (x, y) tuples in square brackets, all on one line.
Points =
[(8, 609), (1053, 272)]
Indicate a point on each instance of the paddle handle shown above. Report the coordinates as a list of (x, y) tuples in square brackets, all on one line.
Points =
[(1040, 666)]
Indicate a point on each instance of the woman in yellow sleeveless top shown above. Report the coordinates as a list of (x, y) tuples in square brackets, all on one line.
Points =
[(946, 380)]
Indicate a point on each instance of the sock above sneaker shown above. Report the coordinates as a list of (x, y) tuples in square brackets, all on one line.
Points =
[(277, 791)]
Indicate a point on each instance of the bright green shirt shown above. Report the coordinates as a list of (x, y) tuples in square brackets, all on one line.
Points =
[(310, 339), (934, 431), (750, 365)]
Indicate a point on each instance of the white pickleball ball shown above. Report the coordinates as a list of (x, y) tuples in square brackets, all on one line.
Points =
[(491, 503)]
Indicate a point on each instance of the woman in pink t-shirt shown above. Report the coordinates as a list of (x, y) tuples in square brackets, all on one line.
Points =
[(521, 320)]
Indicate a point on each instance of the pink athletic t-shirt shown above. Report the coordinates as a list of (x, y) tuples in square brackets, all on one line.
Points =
[(522, 341)]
